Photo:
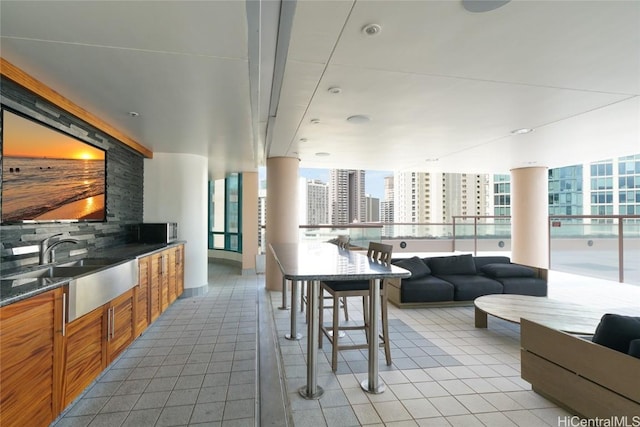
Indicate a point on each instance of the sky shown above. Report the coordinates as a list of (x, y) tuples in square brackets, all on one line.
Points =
[(25, 138), (374, 180)]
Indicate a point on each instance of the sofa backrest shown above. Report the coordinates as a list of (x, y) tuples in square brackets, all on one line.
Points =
[(451, 265), (481, 261)]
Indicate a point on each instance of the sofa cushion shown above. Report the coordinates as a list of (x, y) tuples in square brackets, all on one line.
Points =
[(469, 287), (634, 348), (524, 286), (617, 331), (449, 265), (416, 266), (507, 270), (426, 289), (481, 261)]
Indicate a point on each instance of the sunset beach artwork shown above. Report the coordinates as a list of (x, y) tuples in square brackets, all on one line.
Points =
[(48, 175)]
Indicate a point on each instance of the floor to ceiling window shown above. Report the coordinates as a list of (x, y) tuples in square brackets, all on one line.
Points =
[(225, 213)]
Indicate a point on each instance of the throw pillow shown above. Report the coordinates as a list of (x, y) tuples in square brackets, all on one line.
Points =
[(416, 266), (634, 348), (450, 265), (507, 270), (617, 331)]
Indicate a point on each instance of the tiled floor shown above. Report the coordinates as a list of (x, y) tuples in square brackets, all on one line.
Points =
[(197, 364)]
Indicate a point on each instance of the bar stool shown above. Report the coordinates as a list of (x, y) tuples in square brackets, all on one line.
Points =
[(340, 290)]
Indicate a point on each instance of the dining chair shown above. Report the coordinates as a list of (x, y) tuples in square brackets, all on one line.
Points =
[(340, 290), (342, 241)]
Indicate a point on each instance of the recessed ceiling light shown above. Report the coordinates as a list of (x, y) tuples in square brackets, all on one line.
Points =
[(480, 6), (334, 89), (358, 119), (133, 114), (322, 154), (371, 29), (315, 121), (521, 131)]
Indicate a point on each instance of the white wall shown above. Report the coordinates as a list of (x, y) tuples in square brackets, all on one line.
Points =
[(175, 190)]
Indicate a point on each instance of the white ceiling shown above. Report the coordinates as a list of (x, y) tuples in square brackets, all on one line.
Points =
[(443, 87)]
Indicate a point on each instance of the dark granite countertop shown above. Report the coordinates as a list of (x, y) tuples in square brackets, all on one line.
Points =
[(19, 289)]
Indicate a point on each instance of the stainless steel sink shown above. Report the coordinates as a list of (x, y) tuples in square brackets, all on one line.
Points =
[(93, 282), (90, 291), (84, 262)]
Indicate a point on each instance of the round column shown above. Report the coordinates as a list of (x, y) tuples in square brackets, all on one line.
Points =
[(530, 216), (282, 212)]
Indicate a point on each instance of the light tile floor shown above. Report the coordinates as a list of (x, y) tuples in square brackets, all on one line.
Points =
[(197, 365)]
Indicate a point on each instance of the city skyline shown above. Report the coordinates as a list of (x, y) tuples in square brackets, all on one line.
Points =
[(374, 180)]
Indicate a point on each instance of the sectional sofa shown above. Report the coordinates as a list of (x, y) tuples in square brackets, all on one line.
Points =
[(459, 279)]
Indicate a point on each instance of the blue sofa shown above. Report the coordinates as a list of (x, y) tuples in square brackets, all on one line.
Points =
[(463, 278)]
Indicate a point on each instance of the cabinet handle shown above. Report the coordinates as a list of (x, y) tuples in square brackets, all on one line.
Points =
[(64, 314), (109, 324)]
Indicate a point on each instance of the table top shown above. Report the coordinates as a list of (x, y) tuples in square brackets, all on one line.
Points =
[(325, 261), (561, 315)]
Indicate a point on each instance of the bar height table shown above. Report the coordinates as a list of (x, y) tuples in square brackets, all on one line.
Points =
[(316, 262)]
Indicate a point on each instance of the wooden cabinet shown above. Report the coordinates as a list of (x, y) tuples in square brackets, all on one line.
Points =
[(119, 324), (30, 331), (141, 295), (84, 354), (46, 363)]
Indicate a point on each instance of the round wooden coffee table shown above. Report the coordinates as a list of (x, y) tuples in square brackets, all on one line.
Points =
[(561, 315)]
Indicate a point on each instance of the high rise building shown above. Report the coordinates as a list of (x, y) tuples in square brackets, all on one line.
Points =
[(346, 196), (386, 206), (607, 187), (314, 202), (373, 209), (437, 197)]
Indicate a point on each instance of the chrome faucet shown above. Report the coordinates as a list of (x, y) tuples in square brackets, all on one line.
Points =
[(47, 253)]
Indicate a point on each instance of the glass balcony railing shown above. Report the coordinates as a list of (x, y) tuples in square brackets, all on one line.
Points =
[(603, 246)]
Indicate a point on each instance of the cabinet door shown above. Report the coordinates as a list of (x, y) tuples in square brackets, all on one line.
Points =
[(141, 297), (180, 270), (119, 324), (154, 287), (29, 331), (164, 280), (172, 258), (84, 354)]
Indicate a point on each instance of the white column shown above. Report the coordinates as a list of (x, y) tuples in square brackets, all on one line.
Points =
[(282, 211), (175, 190), (530, 216)]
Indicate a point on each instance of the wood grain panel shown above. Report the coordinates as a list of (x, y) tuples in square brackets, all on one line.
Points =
[(84, 356), (141, 297), (585, 397), (27, 360), (172, 255), (122, 324), (17, 75), (154, 288), (180, 271)]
